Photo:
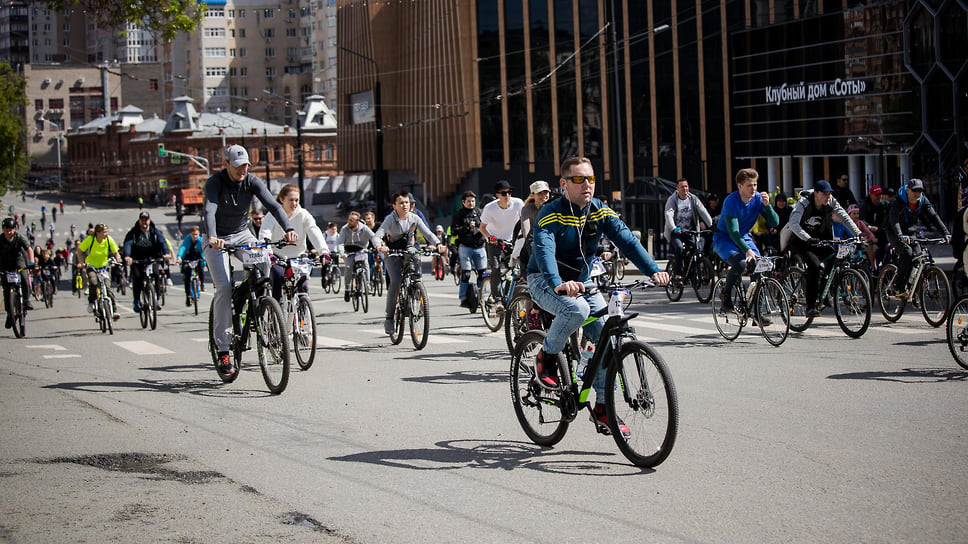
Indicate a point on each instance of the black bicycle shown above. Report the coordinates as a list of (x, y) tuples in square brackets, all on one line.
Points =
[(697, 269), (763, 302), (839, 281), (297, 305), (927, 287), (358, 287), (639, 391), (493, 305), (255, 314), (16, 305), (194, 283), (148, 302), (330, 278), (412, 301)]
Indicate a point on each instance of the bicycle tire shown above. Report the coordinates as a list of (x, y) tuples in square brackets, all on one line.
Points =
[(380, 284), (272, 345), (48, 293), (674, 288), (729, 324), (793, 281), (419, 315), (399, 318), (122, 285), (703, 279), (108, 314), (364, 295), (852, 303), (101, 319), (934, 293), (304, 331), (455, 272), (354, 293), (324, 279), (196, 292), (640, 392), (956, 331), (336, 280), (620, 268), (538, 410), (493, 319), (160, 290), (15, 311), (516, 319), (152, 310), (892, 307), (772, 311)]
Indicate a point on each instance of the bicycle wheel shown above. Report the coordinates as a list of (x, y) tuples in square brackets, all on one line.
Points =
[(772, 311), (161, 288), (78, 284), (516, 319), (703, 280), (620, 268), (729, 324), (379, 282), (304, 331), (419, 315), (102, 319), (493, 317), (324, 280), (16, 311), (538, 410), (399, 318), (123, 285), (196, 292), (364, 295), (143, 314), (675, 287), (852, 303), (639, 392), (794, 285), (354, 291), (272, 342), (455, 272), (956, 331), (935, 295), (336, 279), (48, 293), (892, 306), (152, 310), (107, 309)]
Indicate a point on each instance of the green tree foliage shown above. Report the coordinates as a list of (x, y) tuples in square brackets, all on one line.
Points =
[(166, 17), (14, 161)]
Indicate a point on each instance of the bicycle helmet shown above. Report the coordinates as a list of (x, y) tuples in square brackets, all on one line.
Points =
[(9, 223)]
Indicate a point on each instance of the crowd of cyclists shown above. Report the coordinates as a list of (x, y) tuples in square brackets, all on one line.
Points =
[(550, 240)]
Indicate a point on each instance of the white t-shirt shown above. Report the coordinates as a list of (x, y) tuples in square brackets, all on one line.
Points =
[(500, 222)]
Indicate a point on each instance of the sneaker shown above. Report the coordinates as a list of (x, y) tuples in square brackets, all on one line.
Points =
[(388, 326), (547, 367), (202, 287), (116, 316), (600, 419), (169, 282), (157, 306), (346, 296), (90, 307), (9, 324), (225, 364), (812, 311), (28, 305), (727, 305), (188, 301), (534, 320), (137, 306)]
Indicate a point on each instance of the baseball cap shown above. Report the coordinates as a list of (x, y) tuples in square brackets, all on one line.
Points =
[(539, 186), (237, 156), (439, 227), (502, 185), (823, 186), (144, 215), (9, 223), (915, 183), (876, 190), (890, 192)]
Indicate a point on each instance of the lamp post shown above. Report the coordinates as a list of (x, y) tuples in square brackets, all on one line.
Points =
[(57, 129), (380, 188), (301, 176)]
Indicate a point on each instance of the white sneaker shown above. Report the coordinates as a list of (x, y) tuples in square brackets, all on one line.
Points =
[(90, 307), (170, 282)]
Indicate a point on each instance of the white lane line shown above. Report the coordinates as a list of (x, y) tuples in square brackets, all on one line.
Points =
[(53, 347), (325, 342), (637, 322), (140, 347), (63, 356)]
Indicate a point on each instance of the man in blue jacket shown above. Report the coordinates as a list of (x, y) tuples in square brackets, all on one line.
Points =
[(907, 210), (566, 234), (144, 241)]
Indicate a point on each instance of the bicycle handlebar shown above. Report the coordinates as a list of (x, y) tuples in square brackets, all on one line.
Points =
[(242, 247)]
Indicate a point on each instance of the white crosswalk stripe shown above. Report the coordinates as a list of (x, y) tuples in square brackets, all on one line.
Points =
[(140, 347)]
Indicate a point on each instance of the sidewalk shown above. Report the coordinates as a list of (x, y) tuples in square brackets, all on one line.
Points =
[(72, 473)]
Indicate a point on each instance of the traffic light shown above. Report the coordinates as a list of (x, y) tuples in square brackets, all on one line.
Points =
[(161, 150)]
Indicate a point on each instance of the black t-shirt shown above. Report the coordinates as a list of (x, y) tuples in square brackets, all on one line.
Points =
[(461, 227), (12, 252)]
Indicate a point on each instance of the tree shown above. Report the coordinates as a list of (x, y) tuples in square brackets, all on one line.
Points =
[(167, 17), (14, 161)]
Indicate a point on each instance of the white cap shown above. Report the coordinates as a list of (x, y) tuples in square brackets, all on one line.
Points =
[(539, 186), (236, 155)]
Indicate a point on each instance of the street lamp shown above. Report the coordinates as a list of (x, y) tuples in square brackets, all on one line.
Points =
[(380, 188), (301, 176), (57, 129)]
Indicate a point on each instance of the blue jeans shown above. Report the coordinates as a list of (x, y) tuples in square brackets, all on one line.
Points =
[(569, 314), (470, 259)]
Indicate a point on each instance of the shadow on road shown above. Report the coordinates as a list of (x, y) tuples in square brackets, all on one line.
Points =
[(503, 455), (461, 377), (209, 388), (908, 375)]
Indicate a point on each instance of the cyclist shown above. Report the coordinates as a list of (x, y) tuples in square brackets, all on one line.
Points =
[(191, 250), (811, 221), (144, 241), (93, 252), (398, 230), (228, 196), (497, 223), (305, 226), (369, 219), (908, 209), (566, 235), (353, 237), (540, 194), (470, 248), (683, 210), (732, 240), (13, 249)]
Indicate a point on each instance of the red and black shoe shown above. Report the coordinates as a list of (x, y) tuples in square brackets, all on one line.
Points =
[(600, 419), (547, 366)]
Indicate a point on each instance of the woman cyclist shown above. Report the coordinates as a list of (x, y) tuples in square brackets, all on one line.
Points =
[(305, 226)]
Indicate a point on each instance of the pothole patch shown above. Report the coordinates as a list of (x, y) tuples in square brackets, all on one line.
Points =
[(152, 464), (302, 520)]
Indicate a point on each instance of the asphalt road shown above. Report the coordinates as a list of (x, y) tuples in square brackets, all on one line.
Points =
[(824, 439)]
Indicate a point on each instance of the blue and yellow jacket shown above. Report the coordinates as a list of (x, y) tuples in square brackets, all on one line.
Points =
[(566, 237)]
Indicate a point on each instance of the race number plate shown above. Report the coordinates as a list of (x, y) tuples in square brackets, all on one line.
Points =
[(764, 265), (13, 277), (843, 250), (255, 255)]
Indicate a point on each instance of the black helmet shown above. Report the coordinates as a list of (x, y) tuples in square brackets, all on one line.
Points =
[(9, 223)]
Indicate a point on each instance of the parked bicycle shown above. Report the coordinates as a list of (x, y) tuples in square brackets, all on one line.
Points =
[(298, 307), (412, 301), (16, 303), (763, 302), (639, 391), (927, 287), (359, 281), (696, 271), (840, 285), (255, 315)]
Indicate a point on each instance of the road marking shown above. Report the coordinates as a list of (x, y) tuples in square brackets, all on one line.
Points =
[(54, 347), (63, 356), (638, 322), (326, 342), (140, 347)]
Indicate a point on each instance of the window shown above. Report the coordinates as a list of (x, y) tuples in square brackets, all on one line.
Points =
[(269, 13), (55, 103), (291, 53), (152, 84), (241, 14), (66, 27), (270, 52), (214, 51), (216, 71), (39, 125), (270, 33), (215, 32), (231, 14), (241, 32), (39, 104), (291, 32), (216, 91), (232, 52), (243, 71), (241, 51), (232, 33), (67, 42), (270, 72), (215, 12)]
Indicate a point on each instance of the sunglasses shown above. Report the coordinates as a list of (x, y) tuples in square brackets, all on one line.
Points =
[(504, 193), (578, 180), (918, 190)]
